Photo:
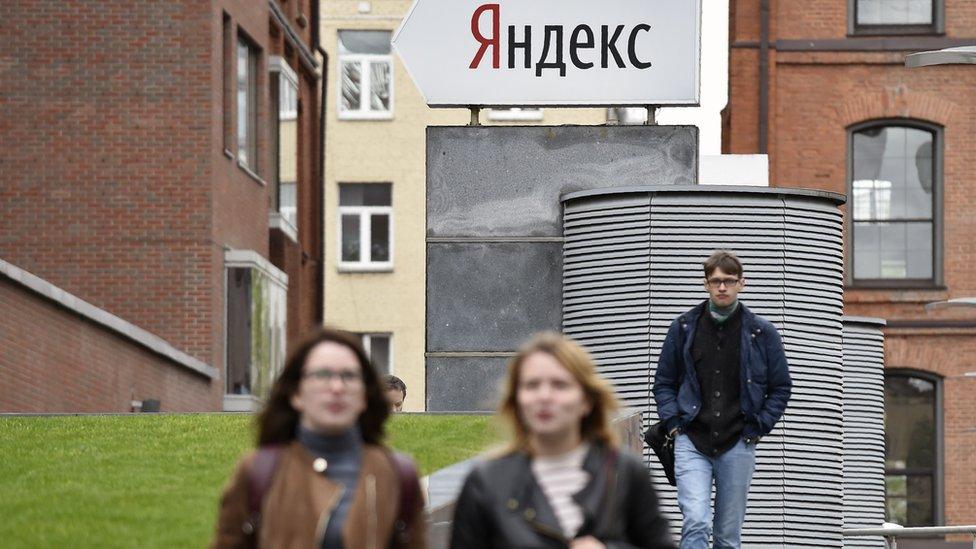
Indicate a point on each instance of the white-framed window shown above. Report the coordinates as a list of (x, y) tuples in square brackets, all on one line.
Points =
[(365, 226), (284, 93), (247, 95), (366, 75), (515, 114), (288, 98), (379, 348)]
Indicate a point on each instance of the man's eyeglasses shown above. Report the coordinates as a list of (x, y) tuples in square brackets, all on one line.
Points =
[(718, 282), (347, 377)]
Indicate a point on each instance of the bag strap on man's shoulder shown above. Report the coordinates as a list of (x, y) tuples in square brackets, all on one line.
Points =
[(265, 464)]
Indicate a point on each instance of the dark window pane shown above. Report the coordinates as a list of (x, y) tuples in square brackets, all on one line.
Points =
[(364, 42), (909, 500), (350, 238), (920, 498), (364, 194), (379, 353), (238, 331), (351, 194), (909, 423), (380, 235), (910, 449), (377, 194)]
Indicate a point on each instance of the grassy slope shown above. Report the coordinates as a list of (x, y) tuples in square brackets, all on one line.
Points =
[(153, 481)]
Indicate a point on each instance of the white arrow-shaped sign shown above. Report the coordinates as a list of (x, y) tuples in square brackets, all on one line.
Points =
[(553, 52)]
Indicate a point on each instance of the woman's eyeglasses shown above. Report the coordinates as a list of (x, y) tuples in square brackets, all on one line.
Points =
[(348, 377)]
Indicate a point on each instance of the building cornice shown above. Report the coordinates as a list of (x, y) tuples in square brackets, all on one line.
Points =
[(860, 44), (304, 53)]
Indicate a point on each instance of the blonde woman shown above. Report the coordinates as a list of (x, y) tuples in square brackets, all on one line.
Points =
[(563, 482)]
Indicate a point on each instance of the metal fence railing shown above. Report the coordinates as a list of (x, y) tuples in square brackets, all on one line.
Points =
[(891, 535)]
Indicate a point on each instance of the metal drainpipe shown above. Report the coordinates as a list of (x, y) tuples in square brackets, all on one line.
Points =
[(763, 76), (320, 275)]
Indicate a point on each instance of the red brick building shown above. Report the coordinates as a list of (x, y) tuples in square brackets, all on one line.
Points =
[(159, 160), (821, 86)]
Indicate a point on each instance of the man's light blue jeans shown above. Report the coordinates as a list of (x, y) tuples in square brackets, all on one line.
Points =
[(732, 473)]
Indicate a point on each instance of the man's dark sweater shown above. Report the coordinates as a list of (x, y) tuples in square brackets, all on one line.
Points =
[(719, 423)]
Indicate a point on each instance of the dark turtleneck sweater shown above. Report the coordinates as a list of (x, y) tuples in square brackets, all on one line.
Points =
[(343, 454)]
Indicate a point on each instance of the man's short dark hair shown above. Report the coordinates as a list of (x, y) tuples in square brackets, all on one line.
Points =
[(393, 382), (725, 260)]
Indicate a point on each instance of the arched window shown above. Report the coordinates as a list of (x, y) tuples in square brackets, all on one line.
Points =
[(894, 205), (913, 448)]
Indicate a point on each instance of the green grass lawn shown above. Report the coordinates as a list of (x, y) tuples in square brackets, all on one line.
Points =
[(153, 481)]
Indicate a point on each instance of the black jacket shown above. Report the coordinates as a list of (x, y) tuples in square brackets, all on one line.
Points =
[(501, 505), (765, 382)]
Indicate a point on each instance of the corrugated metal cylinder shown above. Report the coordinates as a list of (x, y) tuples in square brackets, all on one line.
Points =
[(633, 263), (864, 445)]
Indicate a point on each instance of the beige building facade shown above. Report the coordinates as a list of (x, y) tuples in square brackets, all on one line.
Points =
[(375, 185)]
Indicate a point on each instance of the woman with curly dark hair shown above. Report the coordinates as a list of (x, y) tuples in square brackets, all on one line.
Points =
[(321, 476)]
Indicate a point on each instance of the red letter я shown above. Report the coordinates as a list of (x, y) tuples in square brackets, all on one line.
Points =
[(485, 42)]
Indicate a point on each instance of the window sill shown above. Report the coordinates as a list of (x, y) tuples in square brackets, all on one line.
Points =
[(251, 174), (896, 30), (277, 221), (366, 116), (365, 267), (228, 154), (893, 294)]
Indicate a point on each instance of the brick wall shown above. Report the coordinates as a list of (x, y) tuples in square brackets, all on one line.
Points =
[(56, 361), (116, 185), (814, 97), (105, 157)]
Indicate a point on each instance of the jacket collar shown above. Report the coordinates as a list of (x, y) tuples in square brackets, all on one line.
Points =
[(530, 502), (689, 320), (689, 323)]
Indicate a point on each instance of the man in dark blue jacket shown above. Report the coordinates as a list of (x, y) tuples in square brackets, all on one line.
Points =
[(721, 383)]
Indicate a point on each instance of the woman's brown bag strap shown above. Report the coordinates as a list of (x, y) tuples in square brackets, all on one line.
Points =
[(409, 498), (259, 481)]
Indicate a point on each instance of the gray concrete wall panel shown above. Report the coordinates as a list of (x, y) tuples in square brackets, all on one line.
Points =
[(506, 181), (464, 383), (489, 297)]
